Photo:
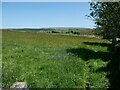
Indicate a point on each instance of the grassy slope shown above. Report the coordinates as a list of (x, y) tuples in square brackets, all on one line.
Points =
[(44, 60)]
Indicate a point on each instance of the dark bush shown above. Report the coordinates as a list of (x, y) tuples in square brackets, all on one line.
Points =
[(76, 33), (118, 54), (71, 31), (67, 32), (54, 32)]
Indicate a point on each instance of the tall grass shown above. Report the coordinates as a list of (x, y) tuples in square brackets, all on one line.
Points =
[(53, 61)]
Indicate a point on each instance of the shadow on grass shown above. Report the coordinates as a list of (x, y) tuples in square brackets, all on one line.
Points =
[(87, 54), (96, 43), (100, 44), (113, 76)]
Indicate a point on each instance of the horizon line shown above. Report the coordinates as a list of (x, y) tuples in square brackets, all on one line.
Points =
[(42, 27)]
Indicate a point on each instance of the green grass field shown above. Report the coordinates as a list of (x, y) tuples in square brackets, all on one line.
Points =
[(54, 61)]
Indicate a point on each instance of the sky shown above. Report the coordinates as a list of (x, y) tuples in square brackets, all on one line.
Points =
[(46, 14), (46, 0), (0, 15)]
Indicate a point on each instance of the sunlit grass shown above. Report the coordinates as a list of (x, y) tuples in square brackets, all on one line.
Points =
[(53, 61)]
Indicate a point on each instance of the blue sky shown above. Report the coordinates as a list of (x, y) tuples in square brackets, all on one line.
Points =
[(45, 14), (0, 15)]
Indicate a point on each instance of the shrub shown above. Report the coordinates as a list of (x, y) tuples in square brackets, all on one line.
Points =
[(76, 33), (118, 54), (54, 32)]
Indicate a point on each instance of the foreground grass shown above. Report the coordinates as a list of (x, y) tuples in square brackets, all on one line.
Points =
[(54, 61)]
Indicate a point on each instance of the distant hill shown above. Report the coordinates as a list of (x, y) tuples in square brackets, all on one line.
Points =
[(51, 28)]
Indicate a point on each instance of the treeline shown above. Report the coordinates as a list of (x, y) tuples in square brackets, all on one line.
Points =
[(66, 32)]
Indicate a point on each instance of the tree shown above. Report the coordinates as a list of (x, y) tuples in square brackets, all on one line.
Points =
[(107, 17)]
